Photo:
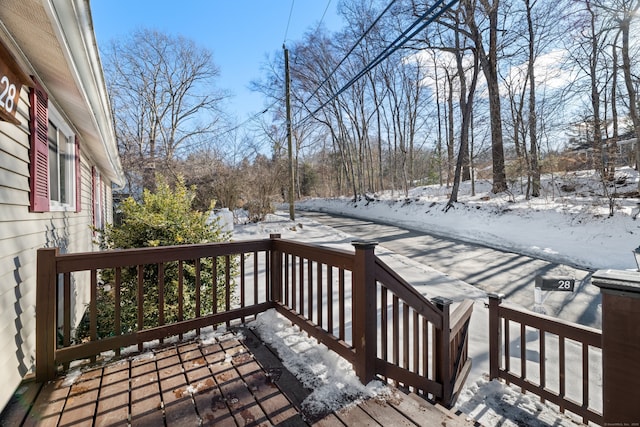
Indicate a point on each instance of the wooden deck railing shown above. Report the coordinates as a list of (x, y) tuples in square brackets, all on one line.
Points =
[(429, 332), (363, 310), (353, 303), (568, 386), (59, 273)]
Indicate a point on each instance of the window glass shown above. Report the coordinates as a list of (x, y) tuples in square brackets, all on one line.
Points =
[(54, 170), (97, 200), (65, 168)]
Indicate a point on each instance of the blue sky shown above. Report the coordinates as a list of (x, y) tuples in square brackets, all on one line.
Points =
[(240, 33)]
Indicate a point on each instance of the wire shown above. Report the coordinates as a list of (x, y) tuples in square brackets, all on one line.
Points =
[(232, 129), (350, 51), (286, 32), (323, 15), (318, 27), (386, 52)]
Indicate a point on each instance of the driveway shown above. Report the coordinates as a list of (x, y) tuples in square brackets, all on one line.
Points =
[(486, 268)]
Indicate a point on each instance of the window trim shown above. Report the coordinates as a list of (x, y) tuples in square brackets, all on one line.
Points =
[(78, 179), (70, 139)]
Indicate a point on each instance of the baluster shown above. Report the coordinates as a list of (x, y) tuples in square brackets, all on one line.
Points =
[(227, 285), (341, 318), (310, 289), (330, 298), (140, 301), (198, 283), (180, 294), (214, 286), (319, 288)]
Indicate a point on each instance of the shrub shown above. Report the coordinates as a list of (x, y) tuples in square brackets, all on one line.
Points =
[(162, 218)]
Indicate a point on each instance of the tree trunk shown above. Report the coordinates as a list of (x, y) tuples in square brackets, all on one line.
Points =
[(451, 133), (439, 143), (613, 143), (533, 128), (595, 93), (628, 80), (466, 101), (489, 64)]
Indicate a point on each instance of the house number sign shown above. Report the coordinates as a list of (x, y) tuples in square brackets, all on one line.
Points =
[(11, 81), (555, 284)]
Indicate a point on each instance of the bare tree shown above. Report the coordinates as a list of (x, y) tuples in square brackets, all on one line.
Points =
[(163, 98), (436, 81), (405, 103), (613, 141), (596, 43), (533, 129), (466, 105)]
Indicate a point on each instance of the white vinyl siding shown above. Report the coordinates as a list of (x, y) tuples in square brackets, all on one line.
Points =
[(22, 233)]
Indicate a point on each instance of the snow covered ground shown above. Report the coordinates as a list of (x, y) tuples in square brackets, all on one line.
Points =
[(571, 227), (562, 226)]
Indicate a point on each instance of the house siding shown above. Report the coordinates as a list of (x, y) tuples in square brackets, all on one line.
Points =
[(22, 233)]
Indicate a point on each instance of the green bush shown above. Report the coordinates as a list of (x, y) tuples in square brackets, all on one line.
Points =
[(162, 218)]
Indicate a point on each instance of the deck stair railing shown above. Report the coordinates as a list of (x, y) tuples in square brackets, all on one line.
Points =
[(352, 302)]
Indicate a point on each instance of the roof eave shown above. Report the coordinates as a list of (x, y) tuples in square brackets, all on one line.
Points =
[(72, 23)]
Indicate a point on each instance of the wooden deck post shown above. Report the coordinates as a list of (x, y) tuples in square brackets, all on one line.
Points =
[(364, 310), (444, 362), (495, 335), (276, 270), (620, 346), (46, 314)]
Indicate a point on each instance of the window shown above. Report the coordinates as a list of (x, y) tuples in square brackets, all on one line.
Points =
[(55, 157), (62, 157), (98, 202)]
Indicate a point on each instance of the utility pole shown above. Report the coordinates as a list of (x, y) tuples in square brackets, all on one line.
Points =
[(289, 142)]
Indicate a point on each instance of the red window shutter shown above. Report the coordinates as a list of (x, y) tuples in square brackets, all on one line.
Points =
[(78, 178), (39, 155)]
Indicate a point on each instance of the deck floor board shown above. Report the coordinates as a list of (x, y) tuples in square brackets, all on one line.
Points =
[(235, 380), (113, 401)]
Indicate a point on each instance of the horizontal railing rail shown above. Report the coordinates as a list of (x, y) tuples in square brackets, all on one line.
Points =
[(511, 328), (66, 263)]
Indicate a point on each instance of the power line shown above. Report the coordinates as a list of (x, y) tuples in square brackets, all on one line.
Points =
[(386, 52), (350, 51), (319, 23), (232, 129), (286, 31), (323, 15)]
